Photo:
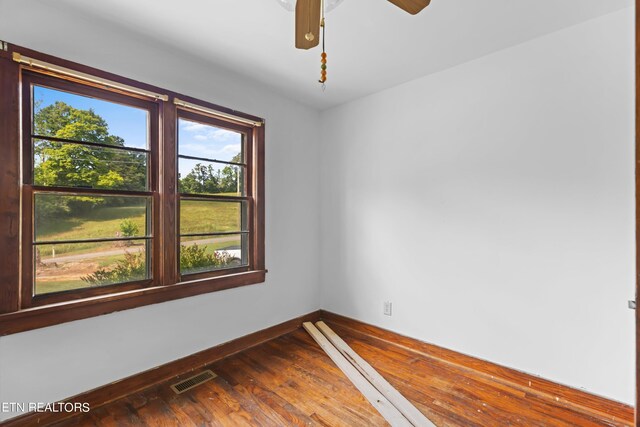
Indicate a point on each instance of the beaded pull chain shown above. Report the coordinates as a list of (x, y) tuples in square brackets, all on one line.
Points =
[(323, 55), (323, 69)]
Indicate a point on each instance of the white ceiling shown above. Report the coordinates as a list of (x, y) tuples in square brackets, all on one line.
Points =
[(371, 44)]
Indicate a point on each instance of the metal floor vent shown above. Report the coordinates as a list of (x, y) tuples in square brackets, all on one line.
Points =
[(193, 381)]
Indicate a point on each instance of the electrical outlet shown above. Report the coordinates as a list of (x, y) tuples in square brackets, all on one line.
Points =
[(387, 308)]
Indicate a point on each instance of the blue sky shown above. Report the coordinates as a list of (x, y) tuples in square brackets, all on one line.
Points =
[(127, 122)]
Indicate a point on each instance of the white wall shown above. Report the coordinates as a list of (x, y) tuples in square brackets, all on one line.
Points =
[(493, 204), (57, 362)]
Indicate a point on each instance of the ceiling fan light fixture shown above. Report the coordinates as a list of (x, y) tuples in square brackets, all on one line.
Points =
[(290, 5)]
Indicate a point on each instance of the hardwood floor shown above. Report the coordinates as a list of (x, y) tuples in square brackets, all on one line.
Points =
[(290, 381)]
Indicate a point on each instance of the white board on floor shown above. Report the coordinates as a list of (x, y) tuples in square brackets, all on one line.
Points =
[(412, 413), (377, 399)]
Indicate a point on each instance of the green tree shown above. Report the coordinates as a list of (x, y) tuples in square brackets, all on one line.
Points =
[(61, 120), (129, 228), (201, 179), (207, 179), (75, 165)]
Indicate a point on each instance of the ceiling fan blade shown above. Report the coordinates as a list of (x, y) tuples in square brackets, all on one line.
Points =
[(307, 23), (411, 6)]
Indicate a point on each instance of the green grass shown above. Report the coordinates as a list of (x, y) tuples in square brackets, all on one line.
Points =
[(49, 286), (212, 247), (208, 217), (58, 286), (196, 217), (101, 222)]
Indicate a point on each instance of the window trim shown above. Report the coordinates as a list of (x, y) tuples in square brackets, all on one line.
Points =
[(16, 314)]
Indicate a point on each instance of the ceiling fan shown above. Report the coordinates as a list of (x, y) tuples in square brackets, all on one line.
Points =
[(309, 17), (310, 21)]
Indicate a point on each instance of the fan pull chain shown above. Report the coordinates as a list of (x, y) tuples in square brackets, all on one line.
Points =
[(323, 69), (323, 55)]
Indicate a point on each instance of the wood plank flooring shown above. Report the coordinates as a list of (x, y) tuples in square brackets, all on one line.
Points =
[(291, 381)]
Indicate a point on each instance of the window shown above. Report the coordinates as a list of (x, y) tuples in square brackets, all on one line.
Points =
[(89, 184), (125, 194), (212, 181)]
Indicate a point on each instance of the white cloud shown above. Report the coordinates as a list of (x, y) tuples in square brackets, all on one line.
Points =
[(202, 132), (192, 126), (231, 149), (202, 140)]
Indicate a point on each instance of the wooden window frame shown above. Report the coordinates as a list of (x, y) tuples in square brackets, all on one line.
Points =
[(19, 309)]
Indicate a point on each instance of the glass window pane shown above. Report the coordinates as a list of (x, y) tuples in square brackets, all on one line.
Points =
[(66, 115), (209, 142), (200, 177), (64, 164), (63, 267), (199, 254), (204, 216), (79, 217)]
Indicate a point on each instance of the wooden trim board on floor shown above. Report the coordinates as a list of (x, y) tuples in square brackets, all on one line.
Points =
[(373, 395), (405, 407), (576, 400)]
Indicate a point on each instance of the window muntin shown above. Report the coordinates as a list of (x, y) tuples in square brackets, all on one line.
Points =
[(213, 211), (89, 189)]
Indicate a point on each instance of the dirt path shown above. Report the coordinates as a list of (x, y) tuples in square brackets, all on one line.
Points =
[(125, 249)]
